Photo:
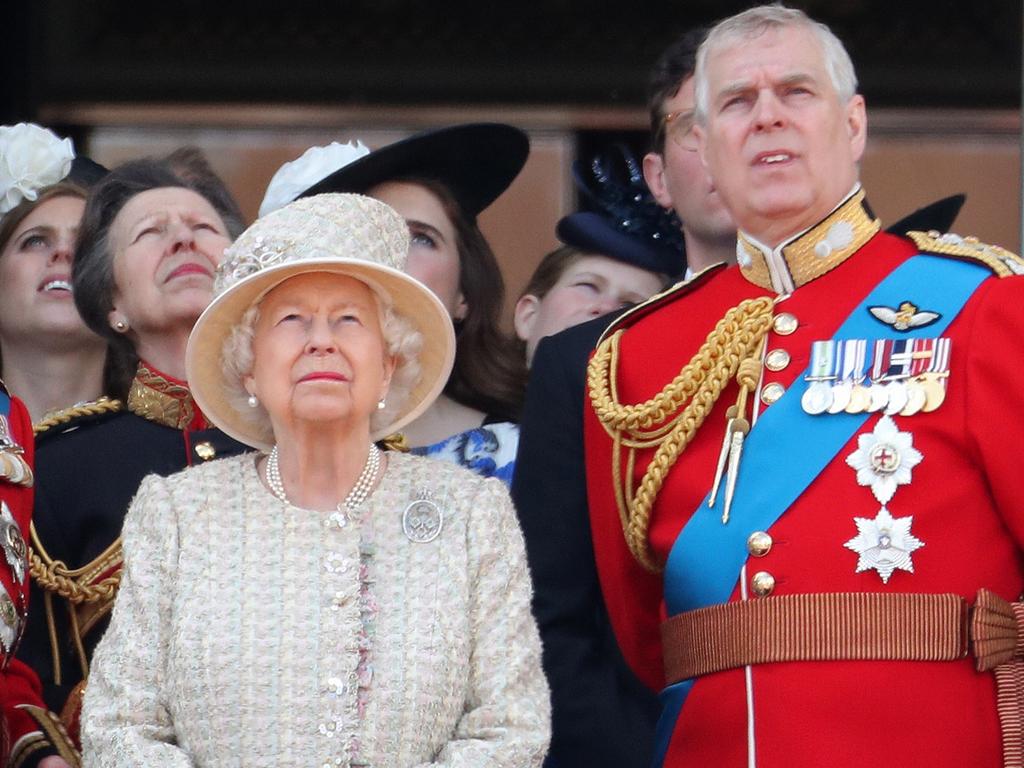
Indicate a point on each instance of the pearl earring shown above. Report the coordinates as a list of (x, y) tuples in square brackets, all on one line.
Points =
[(253, 402), (121, 326), (381, 404)]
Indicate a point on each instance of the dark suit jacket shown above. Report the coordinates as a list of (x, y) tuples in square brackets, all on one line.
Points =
[(602, 715)]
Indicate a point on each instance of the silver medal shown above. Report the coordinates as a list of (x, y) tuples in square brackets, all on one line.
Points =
[(916, 399), (817, 398), (9, 622), (897, 392), (15, 550), (841, 393), (879, 397)]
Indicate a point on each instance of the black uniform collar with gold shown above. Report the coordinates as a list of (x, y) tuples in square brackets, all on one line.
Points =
[(811, 253), (161, 398)]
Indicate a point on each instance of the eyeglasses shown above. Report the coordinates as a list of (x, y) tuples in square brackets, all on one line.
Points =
[(678, 127)]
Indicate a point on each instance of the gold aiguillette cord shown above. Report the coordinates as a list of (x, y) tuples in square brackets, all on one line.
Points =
[(736, 429), (668, 421)]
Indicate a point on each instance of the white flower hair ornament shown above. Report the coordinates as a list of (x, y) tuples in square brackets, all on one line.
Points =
[(315, 164), (31, 158)]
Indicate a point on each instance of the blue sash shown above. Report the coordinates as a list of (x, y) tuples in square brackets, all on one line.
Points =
[(704, 564)]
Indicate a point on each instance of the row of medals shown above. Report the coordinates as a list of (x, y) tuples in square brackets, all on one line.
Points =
[(916, 385)]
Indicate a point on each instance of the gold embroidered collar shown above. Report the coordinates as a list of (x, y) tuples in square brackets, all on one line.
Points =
[(811, 253), (164, 399)]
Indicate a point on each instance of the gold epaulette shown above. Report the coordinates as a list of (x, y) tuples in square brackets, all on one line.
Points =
[(1002, 262), (82, 410), (670, 294)]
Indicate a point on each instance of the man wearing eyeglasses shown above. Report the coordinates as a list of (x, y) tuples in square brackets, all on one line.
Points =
[(602, 714), (672, 169)]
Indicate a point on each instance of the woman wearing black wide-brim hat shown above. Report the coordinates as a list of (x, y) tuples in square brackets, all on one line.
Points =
[(440, 181)]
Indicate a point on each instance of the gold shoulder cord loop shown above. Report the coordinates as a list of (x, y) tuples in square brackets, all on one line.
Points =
[(670, 419), (55, 578)]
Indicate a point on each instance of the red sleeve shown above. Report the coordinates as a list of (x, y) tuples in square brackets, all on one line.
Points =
[(995, 394), (632, 595), (21, 686)]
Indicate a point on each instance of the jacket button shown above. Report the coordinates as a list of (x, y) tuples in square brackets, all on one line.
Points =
[(762, 584), (205, 451), (776, 360), (759, 543), (785, 323), (772, 392)]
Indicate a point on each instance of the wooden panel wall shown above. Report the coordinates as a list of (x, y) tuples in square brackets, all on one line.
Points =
[(913, 157)]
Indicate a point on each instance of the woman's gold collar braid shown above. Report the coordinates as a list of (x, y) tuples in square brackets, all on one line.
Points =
[(156, 397), (671, 418)]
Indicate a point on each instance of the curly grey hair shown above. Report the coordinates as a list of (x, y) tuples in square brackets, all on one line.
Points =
[(401, 340), (756, 21)]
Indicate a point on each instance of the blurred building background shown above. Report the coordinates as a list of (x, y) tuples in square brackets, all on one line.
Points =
[(254, 84)]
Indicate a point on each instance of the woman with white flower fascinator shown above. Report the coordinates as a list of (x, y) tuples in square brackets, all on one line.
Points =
[(51, 360), (48, 356), (323, 603)]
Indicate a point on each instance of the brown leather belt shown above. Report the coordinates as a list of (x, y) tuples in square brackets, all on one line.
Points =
[(816, 627), (859, 625)]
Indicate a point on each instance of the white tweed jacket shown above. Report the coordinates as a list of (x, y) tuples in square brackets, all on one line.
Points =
[(248, 632)]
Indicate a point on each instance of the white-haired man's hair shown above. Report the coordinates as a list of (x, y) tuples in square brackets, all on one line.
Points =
[(756, 21), (401, 340)]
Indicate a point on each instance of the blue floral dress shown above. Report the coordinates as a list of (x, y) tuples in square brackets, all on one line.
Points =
[(490, 450)]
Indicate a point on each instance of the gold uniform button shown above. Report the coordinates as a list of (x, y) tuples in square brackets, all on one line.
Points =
[(785, 323), (763, 583), (759, 543), (772, 392), (776, 360), (205, 451)]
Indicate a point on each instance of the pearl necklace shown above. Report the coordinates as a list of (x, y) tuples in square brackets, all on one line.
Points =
[(364, 483)]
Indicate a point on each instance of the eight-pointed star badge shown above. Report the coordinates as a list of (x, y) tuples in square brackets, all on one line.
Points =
[(884, 458), (884, 544)]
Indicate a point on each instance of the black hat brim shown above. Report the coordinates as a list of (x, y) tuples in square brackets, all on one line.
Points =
[(591, 232), (939, 215), (86, 172), (476, 162)]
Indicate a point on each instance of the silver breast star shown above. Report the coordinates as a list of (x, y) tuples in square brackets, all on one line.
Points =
[(884, 544)]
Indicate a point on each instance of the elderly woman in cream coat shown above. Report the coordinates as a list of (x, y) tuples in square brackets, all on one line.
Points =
[(321, 603)]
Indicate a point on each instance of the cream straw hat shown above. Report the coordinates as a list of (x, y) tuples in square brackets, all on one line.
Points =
[(334, 233)]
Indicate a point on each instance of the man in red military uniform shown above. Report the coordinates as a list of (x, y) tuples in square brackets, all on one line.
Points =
[(21, 741), (802, 470)]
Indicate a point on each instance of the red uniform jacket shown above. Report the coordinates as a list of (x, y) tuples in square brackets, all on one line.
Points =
[(966, 498)]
